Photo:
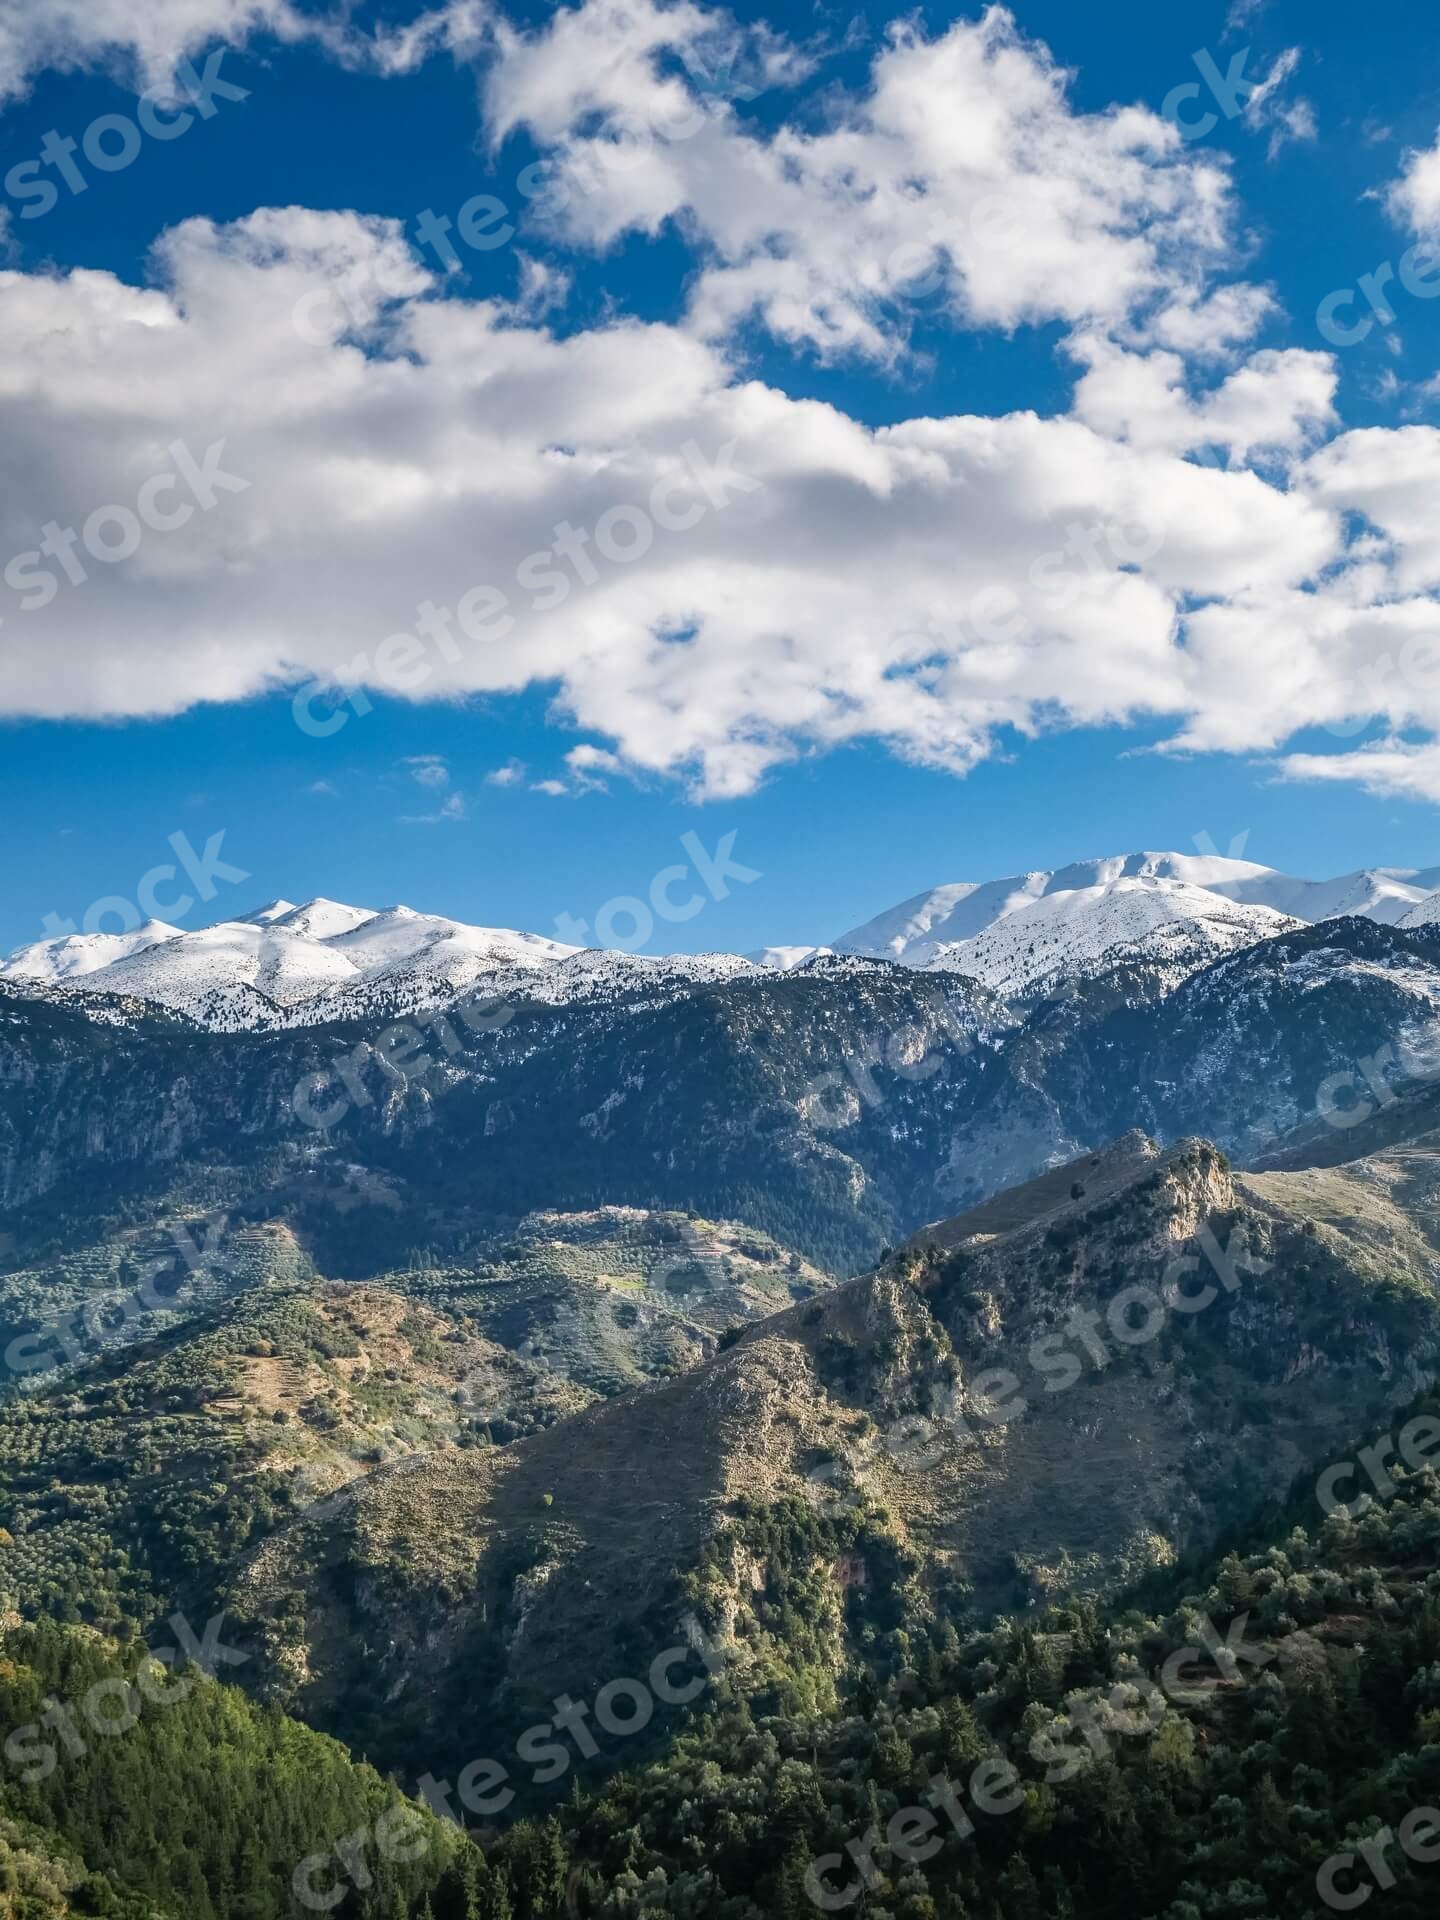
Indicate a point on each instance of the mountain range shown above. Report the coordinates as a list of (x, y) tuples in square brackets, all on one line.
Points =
[(287, 965), (462, 1364)]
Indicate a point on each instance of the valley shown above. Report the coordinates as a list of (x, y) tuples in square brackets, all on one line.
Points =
[(719, 961), (862, 1325)]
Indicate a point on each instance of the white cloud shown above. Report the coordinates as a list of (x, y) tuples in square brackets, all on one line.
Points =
[(588, 766), (452, 807), (1209, 326), (510, 775), (1268, 108), (1392, 769), (929, 584), (542, 286), (1414, 199), (427, 769), (1391, 477), (456, 445), (1278, 402), (962, 178), (458, 27), (147, 39)]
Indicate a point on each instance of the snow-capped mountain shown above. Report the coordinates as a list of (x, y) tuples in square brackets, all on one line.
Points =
[(284, 965), (71, 956), (913, 931), (1168, 926), (1064, 921), (785, 959), (1386, 894), (323, 960)]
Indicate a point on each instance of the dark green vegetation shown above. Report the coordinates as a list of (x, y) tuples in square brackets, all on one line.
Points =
[(199, 1806), (442, 1458), (837, 1109), (139, 1480), (836, 1710), (494, 1581), (1226, 1802), (704, 1100)]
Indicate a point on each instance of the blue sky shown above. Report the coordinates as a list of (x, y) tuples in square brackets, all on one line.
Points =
[(837, 828)]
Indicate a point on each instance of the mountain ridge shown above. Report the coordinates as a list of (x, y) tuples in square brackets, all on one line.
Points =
[(284, 965)]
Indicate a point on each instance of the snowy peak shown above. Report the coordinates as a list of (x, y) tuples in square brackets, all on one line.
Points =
[(1168, 926), (1172, 912), (1385, 894), (917, 930), (783, 959), (77, 955), (1426, 913), (318, 919), (1165, 914), (1211, 870), (323, 960), (267, 916)]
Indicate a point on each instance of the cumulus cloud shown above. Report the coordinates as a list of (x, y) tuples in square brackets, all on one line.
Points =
[(1276, 403), (148, 39), (1391, 769), (427, 769), (1390, 476), (961, 178), (430, 496), (1414, 199), (990, 576)]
